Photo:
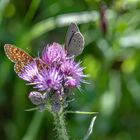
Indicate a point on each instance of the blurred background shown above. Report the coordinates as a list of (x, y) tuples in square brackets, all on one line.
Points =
[(111, 57)]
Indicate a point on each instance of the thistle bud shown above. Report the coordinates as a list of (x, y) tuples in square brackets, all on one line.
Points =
[(56, 107), (71, 82), (36, 98)]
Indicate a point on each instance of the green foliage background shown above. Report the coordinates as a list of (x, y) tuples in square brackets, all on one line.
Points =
[(112, 60)]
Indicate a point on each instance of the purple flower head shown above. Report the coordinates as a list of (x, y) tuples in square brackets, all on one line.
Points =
[(53, 77), (30, 72), (49, 79), (54, 54), (72, 72), (54, 73)]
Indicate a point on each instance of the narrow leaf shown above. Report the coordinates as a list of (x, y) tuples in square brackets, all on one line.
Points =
[(82, 112)]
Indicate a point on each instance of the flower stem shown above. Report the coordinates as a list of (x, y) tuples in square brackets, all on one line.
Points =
[(60, 126)]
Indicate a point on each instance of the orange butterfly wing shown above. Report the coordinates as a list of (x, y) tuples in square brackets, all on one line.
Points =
[(18, 56), (21, 58)]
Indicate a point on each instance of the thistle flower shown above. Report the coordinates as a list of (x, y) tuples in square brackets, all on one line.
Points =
[(49, 79), (62, 71), (73, 74), (53, 54), (53, 73)]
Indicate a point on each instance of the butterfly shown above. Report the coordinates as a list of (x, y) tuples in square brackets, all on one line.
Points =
[(21, 58), (74, 43)]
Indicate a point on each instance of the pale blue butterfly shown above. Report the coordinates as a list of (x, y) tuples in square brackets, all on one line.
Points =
[(74, 43)]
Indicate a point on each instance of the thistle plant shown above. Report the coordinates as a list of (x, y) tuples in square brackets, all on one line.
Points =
[(53, 75)]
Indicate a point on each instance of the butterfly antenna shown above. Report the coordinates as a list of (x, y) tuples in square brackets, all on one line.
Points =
[(27, 49), (38, 54)]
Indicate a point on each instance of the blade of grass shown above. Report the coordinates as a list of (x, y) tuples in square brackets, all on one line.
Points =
[(90, 130), (32, 10), (82, 112), (34, 126), (32, 109)]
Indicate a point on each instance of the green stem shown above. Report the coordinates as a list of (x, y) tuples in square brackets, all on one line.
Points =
[(60, 126)]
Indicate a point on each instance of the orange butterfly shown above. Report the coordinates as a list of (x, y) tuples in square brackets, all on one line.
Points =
[(21, 58)]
